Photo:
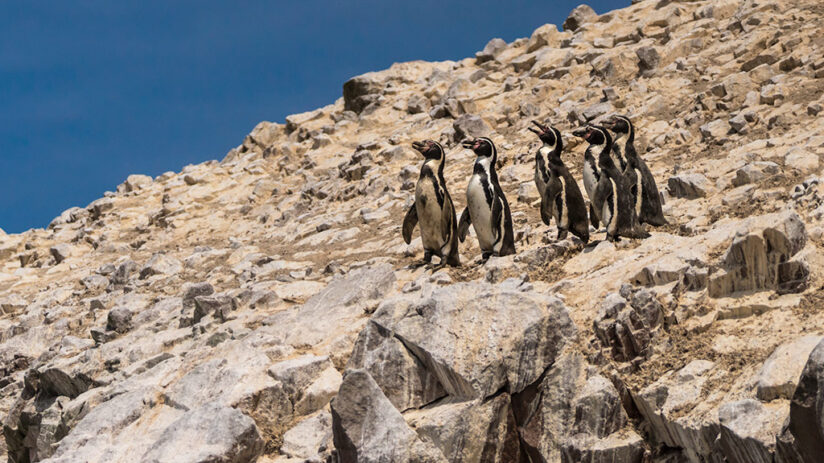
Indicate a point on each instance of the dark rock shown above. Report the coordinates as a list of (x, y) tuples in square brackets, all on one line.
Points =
[(491, 51), (119, 320), (806, 420), (648, 59), (582, 14), (470, 126), (361, 91)]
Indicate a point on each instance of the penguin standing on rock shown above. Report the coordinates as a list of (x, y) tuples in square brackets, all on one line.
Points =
[(645, 196), (433, 208), (611, 198), (560, 196), (592, 175), (486, 206)]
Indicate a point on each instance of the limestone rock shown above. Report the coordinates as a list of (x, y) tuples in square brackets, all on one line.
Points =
[(748, 430), (581, 15), (779, 375), (367, 428), (490, 51), (529, 334), (806, 423), (760, 257), (690, 186), (209, 433)]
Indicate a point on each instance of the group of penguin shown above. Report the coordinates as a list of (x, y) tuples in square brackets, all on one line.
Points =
[(621, 189)]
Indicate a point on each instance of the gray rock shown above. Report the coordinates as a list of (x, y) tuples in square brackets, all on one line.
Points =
[(582, 14), (368, 429), (60, 252), (470, 430), (402, 377), (210, 433), (748, 431), (806, 420), (470, 125), (491, 51), (598, 409), (221, 306), (660, 402), (648, 59), (135, 183), (715, 130), (545, 412), (624, 447), (119, 320), (307, 437), (95, 283), (627, 328), (524, 338), (418, 104), (546, 35), (193, 290), (123, 273), (161, 264), (760, 257), (361, 91), (779, 374), (690, 186)]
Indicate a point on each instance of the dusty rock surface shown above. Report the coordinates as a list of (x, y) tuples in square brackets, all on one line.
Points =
[(263, 307)]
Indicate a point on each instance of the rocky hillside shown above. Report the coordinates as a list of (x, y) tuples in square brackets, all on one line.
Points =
[(264, 307)]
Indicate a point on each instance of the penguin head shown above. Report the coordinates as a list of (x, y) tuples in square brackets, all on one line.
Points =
[(483, 147), (621, 125), (594, 135), (429, 149), (549, 135)]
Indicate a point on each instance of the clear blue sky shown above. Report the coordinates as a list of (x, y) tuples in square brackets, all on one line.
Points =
[(92, 91)]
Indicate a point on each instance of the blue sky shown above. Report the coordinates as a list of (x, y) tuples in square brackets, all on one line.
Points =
[(92, 91)]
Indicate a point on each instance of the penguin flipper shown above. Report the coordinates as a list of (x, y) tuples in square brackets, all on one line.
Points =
[(463, 225), (545, 214), (447, 219), (593, 219), (409, 223), (497, 211)]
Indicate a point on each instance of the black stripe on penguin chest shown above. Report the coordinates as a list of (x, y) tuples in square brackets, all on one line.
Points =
[(484, 178), (427, 173), (543, 169)]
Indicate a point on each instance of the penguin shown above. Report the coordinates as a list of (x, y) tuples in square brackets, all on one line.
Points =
[(486, 206), (611, 197), (560, 196), (433, 208), (591, 174), (645, 195)]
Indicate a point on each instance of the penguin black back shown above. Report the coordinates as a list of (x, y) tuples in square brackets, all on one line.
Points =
[(560, 196), (645, 194)]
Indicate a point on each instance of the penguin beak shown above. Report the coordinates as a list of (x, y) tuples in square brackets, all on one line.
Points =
[(583, 132), (542, 129), (609, 123), (468, 144), (419, 146)]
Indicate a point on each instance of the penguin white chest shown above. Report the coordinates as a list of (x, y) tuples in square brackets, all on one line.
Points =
[(639, 192), (590, 178), (429, 214), (480, 212), (562, 216)]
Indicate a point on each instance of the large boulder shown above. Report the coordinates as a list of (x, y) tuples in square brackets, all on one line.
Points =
[(761, 257), (581, 15), (807, 408), (367, 428), (627, 323), (477, 338), (361, 91)]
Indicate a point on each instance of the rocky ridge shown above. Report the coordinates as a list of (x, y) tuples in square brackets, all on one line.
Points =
[(263, 307)]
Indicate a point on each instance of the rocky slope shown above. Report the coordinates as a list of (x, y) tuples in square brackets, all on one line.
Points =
[(263, 307)]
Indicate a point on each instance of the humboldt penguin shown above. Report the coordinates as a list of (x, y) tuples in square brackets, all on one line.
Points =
[(591, 174), (645, 195), (486, 206), (611, 197), (433, 208), (560, 196)]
